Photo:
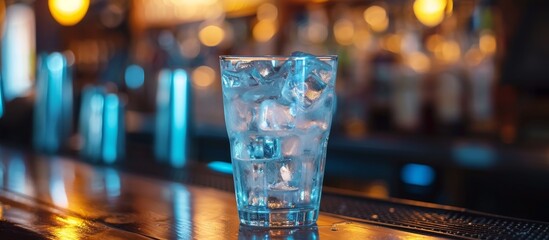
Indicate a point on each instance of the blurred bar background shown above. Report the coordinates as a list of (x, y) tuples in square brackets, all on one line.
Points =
[(438, 100)]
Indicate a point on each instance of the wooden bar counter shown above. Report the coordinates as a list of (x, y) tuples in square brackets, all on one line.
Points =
[(52, 197)]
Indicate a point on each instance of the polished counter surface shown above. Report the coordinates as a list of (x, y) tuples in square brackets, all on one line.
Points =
[(57, 198), (52, 197)]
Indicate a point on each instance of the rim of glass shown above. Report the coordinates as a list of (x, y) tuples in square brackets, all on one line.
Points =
[(272, 57)]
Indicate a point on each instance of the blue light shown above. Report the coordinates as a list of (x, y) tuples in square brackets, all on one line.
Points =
[(110, 137), (1, 101), (56, 65), (1, 175), (16, 175), (134, 76), (182, 211), (222, 167), (474, 156), (57, 185), (417, 174), (112, 182), (162, 115), (179, 110), (53, 103), (18, 46), (172, 117)]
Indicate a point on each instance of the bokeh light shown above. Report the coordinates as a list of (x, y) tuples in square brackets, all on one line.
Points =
[(474, 56), (211, 35), (449, 51), (264, 30), (68, 12), (344, 31), (376, 17), (487, 43), (267, 11), (433, 41), (317, 32), (362, 39), (430, 12), (392, 43), (203, 76), (134, 76), (418, 62)]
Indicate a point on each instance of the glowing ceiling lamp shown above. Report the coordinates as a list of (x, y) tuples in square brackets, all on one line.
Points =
[(431, 12), (68, 12)]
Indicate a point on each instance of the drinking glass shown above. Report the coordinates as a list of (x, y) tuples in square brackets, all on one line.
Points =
[(278, 113)]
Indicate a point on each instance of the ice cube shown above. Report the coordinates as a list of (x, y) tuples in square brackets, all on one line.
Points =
[(261, 93), (263, 71), (241, 115), (312, 62), (243, 65), (235, 79), (274, 116), (306, 79), (256, 147), (313, 90), (265, 147), (291, 146)]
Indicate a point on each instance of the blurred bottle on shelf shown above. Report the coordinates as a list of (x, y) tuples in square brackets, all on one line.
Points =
[(53, 103), (102, 124), (171, 139)]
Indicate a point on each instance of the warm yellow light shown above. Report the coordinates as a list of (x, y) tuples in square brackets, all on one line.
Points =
[(487, 43), (418, 62), (317, 32), (449, 7), (344, 31), (68, 12), (203, 76), (433, 41), (68, 228), (211, 35), (362, 39), (392, 43), (430, 12), (474, 56), (267, 11), (448, 51), (264, 30), (376, 17)]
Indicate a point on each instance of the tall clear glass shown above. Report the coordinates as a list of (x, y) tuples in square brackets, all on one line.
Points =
[(278, 113)]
